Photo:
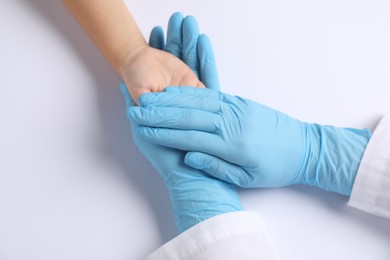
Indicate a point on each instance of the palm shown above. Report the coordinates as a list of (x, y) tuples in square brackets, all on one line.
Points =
[(152, 70)]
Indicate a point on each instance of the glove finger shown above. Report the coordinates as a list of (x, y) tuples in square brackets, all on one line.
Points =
[(186, 140), (190, 35), (179, 100), (156, 39), (208, 72), (174, 118), (174, 35), (126, 95), (212, 93), (217, 168)]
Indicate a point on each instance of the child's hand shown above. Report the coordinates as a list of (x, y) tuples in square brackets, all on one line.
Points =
[(151, 70)]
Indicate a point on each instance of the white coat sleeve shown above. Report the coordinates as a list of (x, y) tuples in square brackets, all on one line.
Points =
[(371, 190), (230, 236)]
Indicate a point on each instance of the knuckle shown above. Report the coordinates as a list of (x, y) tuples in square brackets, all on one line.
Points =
[(151, 133), (214, 166), (218, 123), (220, 96)]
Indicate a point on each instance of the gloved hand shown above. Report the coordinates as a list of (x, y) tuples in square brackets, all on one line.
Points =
[(194, 195), (185, 42), (248, 144)]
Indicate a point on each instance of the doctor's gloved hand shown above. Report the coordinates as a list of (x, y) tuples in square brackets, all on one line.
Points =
[(194, 195), (186, 43), (248, 144)]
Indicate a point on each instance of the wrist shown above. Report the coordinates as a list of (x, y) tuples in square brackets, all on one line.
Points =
[(128, 56), (197, 198), (334, 157)]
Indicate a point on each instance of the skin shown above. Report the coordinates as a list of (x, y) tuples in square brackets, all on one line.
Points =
[(144, 69)]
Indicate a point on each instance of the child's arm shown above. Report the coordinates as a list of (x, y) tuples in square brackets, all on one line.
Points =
[(110, 25), (113, 29)]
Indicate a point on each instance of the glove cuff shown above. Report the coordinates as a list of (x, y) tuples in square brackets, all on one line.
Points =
[(200, 198), (333, 156)]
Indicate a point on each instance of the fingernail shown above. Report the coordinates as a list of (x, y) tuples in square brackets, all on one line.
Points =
[(190, 21), (177, 15), (194, 160), (145, 99)]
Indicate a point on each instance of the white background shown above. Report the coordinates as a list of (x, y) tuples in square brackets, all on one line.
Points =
[(74, 186)]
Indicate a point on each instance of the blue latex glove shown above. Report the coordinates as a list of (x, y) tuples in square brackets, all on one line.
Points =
[(248, 144), (185, 42), (194, 195)]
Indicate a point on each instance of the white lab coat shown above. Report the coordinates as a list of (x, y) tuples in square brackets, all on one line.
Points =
[(242, 234)]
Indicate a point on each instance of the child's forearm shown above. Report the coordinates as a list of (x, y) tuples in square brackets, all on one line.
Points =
[(110, 25)]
